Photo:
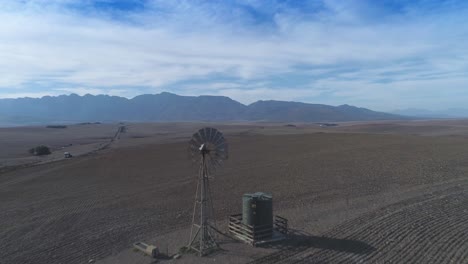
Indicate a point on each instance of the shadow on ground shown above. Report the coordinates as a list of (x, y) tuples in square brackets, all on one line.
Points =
[(299, 238), (298, 242)]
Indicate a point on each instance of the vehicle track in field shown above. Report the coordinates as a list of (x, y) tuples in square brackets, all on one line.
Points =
[(432, 228)]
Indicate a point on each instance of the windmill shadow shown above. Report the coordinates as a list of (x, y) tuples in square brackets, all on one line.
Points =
[(300, 241)]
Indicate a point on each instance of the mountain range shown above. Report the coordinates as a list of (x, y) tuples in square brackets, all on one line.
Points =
[(424, 113), (168, 107)]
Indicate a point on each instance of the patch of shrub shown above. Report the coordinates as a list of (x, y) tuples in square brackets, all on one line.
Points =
[(56, 126), (40, 150)]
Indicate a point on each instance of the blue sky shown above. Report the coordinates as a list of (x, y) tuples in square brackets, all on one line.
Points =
[(383, 55)]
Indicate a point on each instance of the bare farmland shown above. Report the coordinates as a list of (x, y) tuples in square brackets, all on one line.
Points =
[(372, 197)]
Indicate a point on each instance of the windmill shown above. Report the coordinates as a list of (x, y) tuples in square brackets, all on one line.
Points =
[(209, 149)]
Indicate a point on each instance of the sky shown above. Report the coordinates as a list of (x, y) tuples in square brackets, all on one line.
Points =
[(384, 55)]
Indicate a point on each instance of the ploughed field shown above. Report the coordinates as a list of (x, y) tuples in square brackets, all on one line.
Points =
[(349, 197)]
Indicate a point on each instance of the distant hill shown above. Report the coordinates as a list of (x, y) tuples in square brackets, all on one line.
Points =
[(447, 113), (171, 107), (302, 112)]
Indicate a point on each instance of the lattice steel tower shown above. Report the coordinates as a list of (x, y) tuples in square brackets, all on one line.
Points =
[(208, 148)]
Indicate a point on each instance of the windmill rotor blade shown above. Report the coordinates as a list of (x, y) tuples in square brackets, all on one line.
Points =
[(220, 145), (193, 149), (207, 136), (198, 139), (219, 140), (193, 143), (214, 134), (209, 132), (219, 156), (216, 145), (222, 148), (215, 163), (216, 137), (202, 134), (214, 160)]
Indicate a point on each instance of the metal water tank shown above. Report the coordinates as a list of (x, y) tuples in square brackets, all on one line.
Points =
[(257, 209), (248, 206), (264, 210)]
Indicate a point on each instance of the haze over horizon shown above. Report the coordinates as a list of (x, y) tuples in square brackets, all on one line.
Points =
[(382, 55)]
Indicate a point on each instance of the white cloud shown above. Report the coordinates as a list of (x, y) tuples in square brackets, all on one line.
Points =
[(249, 96), (28, 94), (81, 90), (249, 93), (52, 44)]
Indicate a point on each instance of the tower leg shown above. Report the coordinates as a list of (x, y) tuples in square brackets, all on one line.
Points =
[(201, 238)]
